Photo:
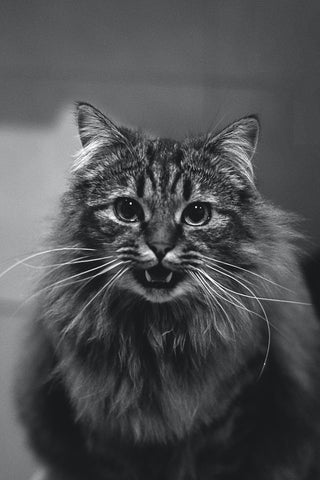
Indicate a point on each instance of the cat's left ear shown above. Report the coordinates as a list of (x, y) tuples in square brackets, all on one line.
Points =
[(95, 126), (237, 143)]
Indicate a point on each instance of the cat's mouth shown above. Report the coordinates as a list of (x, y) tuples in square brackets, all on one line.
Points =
[(158, 277)]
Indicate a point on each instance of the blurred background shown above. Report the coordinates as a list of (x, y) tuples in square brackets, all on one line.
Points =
[(172, 67)]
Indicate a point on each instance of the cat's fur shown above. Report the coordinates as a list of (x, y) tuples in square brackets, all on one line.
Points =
[(124, 379)]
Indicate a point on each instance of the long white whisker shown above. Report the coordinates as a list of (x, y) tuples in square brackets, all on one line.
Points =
[(110, 285), (265, 317), (238, 303), (265, 299), (87, 271), (20, 262), (74, 261), (227, 273), (106, 268), (61, 283), (204, 287), (42, 267), (225, 289), (254, 296), (74, 321), (210, 290), (241, 305), (248, 271)]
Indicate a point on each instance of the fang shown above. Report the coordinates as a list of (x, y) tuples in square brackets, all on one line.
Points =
[(169, 277), (149, 279)]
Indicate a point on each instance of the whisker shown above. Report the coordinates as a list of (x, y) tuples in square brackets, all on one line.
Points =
[(60, 283), (212, 290), (279, 300), (248, 271), (238, 303), (106, 268), (71, 262), (34, 255), (42, 267), (110, 285), (86, 271), (265, 299), (74, 321), (204, 287), (209, 291), (227, 273), (265, 317), (242, 306)]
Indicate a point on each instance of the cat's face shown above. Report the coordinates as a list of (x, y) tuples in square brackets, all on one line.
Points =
[(163, 209)]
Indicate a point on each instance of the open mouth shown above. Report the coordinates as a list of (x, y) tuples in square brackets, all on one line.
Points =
[(158, 277)]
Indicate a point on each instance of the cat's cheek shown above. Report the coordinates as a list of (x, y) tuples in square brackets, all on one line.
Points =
[(218, 228), (110, 230)]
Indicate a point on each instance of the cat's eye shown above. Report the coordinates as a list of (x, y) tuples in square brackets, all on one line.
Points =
[(128, 210), (196, 214)]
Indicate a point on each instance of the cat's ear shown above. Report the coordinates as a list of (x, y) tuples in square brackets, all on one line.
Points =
[(237, 143), (94, 126)]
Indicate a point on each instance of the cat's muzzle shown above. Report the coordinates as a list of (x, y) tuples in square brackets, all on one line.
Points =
[(158, 277)]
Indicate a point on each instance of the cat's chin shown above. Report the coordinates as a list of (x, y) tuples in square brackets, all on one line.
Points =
[(160, 295)]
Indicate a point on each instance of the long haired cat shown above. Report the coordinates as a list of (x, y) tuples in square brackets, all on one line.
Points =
[(174, 338)]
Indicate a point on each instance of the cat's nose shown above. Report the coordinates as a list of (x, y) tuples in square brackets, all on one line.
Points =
[(160, 249)]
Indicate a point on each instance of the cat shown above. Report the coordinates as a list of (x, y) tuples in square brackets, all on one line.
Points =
[(173, 338)]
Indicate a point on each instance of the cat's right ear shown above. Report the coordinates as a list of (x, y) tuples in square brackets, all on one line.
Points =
[(94, 126), (237, 143)]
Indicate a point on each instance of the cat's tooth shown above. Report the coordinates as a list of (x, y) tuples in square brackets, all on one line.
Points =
[(147, 274), (168, 279)]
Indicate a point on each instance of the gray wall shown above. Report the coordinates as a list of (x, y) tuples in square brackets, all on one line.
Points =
[(171, 67)]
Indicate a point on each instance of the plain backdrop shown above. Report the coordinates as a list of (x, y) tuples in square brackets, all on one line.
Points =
[(170, 67)]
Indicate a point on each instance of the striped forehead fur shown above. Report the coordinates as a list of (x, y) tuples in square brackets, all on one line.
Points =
[(163, 160)]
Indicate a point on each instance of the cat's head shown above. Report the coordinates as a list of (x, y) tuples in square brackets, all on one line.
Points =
[(163, 210)]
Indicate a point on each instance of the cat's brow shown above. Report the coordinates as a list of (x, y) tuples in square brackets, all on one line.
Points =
[(175, 182), (149, 168), (187, 189), (140, 185), (150, 175)]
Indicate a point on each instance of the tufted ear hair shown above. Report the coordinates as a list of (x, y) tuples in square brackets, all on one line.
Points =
[(94, 126), (237, 143), (97, 133)]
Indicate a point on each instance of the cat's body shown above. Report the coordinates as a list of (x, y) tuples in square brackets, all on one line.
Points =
[(173, 338)]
